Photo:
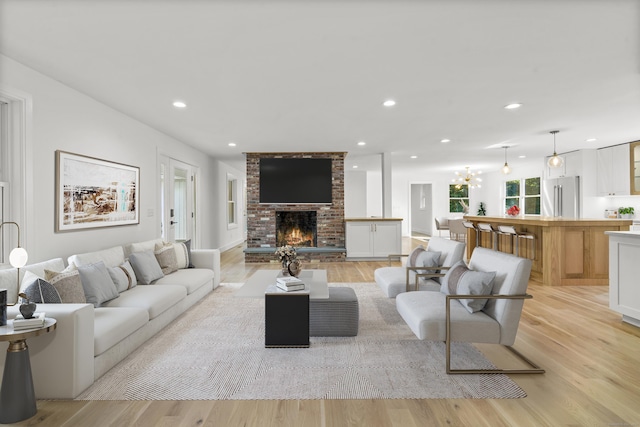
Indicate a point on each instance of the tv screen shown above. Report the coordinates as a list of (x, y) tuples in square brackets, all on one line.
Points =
[(291, 181)]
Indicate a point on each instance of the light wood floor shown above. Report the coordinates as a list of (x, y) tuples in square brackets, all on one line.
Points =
[(591, 359)]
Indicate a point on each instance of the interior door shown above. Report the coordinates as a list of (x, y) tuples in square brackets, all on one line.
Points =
[(178, 188)]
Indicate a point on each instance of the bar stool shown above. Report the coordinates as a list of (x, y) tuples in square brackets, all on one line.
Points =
[(530, 242), (469, 224), (509, 230), (484, 227)]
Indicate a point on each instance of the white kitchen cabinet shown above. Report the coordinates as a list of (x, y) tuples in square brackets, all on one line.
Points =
[(624, 270), (367, 238), (614, 177), (572, 166)]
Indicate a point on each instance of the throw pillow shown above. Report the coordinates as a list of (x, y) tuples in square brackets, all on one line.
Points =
[(40, 291), (428, 259), (68, 285), (459, 280), (123, 276), (166, 256), (182, 257), (146, 267), (413, 256), (97, 284)]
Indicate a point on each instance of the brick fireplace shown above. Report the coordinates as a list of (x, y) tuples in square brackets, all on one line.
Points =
[(321, 236)]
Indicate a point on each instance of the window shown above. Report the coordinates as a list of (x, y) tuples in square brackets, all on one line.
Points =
[(458, 198), (232, 198), (523, 193)]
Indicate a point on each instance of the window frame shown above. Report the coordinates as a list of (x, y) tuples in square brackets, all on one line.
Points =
[(465, 199), (522, 196)]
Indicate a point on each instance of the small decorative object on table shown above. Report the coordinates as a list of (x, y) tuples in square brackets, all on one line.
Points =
[(482, 210), (26, 308), (287, 256), (513, 211)]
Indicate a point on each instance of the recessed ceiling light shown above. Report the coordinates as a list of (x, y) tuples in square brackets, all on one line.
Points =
[(414, 157), (355, 166), (179, 104), (389, 103), (513, 106), (232, 144), (591, 140), (362, 143), (522, 156), (444, 141)]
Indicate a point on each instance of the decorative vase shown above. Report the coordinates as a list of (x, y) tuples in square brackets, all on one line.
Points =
[(294, 267), (285, 267)]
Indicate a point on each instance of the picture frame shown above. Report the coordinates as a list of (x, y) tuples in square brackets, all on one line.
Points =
[(94, 193)]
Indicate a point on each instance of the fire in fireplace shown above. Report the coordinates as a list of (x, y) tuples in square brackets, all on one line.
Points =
[(296, 228)]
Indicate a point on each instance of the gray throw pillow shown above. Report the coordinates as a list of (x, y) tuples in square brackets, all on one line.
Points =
[(41, 291), (146, 267), (428, 259), (166, 256), (459, 280), (97, 284)]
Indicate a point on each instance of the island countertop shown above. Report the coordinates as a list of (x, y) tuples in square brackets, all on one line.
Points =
[(564, 251), (550, 221)]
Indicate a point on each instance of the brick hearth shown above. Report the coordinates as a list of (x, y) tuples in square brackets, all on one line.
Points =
[(261, 218)]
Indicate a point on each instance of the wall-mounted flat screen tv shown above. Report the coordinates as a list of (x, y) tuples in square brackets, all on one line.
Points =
[(295, 180)]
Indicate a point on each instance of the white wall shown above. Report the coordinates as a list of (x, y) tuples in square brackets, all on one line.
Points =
[(64, 119), (355, 194), (226, 237)]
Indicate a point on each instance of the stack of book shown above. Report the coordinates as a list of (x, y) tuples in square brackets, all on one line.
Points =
[(289, 284), (20, 323)]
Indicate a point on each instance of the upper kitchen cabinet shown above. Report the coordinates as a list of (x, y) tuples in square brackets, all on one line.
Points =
[(634, 165), (572, 166), (613, 170)]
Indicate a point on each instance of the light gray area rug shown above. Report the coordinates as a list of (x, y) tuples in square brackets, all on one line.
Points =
[(216, 352)]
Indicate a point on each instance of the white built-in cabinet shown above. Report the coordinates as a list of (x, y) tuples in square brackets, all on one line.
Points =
[(624, 270), (373, 238), (572, 166), (614, 177)]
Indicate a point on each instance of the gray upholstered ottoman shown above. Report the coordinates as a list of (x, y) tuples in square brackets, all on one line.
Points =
[(336, 316)]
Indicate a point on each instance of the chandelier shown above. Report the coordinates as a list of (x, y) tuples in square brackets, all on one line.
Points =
[(468, 178)]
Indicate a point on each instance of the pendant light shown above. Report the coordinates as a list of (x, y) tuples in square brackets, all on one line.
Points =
[(555, 161), (506, 170)]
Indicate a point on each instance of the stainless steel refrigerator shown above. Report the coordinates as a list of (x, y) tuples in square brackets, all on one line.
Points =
[(561, 197)]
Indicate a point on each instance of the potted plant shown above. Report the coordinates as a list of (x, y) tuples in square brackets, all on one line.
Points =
[(626, 213)]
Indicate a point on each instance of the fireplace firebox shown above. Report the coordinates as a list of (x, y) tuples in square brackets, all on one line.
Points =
[(296, 228)]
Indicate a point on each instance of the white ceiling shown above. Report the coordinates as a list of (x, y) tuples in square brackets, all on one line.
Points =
[(312, 75)]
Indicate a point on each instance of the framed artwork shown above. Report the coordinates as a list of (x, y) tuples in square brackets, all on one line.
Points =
[(92, 193)]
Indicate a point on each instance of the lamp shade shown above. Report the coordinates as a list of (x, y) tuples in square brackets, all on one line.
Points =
[(18, 257)]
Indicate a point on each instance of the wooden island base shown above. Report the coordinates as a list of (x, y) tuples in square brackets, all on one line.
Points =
[(564, 251)]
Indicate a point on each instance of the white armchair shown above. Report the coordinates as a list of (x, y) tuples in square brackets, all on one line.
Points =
[(439, 317), (442, 223), (394, 280)]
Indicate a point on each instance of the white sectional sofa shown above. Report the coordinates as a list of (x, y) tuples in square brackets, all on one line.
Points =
[(89, 341)]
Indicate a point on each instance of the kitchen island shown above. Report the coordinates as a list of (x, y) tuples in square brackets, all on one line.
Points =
[(564, 251), (624, 291)]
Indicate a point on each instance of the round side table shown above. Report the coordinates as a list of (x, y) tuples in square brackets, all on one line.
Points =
[(17, 396)]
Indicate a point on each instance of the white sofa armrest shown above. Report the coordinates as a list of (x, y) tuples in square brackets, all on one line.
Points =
[(208, 258), (62, 360)]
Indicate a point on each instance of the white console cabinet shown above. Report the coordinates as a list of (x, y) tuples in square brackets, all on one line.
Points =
[(624, 270), (373, 238)]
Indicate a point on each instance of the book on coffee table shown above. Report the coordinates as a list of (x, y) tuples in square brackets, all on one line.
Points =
[(290, 288), (37, 321), (289, 281)]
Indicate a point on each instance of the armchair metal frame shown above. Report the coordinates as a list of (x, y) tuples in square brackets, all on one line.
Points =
[(535, 368), (397, 257)]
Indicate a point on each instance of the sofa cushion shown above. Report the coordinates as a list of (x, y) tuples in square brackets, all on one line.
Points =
[(459, 280), (424, 313), (145, 246), (113, 324), (154, 299), (68, 285), (111, 257), (166, 256), (191, 279), (97, 284), (123, 276), (146, 267), (39, 290)]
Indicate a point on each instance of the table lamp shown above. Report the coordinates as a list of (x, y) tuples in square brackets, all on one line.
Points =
[(17, 258)]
